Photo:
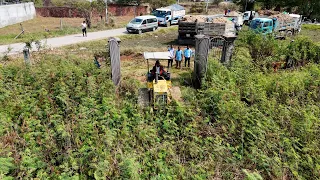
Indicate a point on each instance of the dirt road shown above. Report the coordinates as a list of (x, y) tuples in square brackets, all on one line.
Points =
[(63, 41)]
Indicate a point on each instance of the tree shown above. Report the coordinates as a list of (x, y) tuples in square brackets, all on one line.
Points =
[(153, 3), (308, 8), (87, 7)]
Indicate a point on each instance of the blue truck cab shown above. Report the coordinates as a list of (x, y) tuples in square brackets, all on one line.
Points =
[(263, 25)]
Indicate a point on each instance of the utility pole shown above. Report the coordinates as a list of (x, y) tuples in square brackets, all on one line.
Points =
[(106, 1), (207, 5), (245, 9)]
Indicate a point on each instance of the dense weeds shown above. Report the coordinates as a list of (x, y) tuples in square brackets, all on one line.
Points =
[(63, 119)]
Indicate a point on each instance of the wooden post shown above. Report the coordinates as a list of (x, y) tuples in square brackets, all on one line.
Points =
[(207, 6), (107, 21), (22, 31), (26, 54), (61, 24)]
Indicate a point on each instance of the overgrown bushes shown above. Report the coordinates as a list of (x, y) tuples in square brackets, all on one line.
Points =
[(62, 118), (265, 50), (265, 122)]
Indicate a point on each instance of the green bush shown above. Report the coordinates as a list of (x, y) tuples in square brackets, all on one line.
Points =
[(62, 118), (265, 49), (262, 117), (197, 8)]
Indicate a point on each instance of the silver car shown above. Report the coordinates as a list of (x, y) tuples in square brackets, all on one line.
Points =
[(142, 24)]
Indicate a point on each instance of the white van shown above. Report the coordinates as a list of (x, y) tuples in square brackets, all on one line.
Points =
[(142, 23)]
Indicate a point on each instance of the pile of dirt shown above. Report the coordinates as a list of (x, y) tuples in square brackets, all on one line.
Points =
[(267, 12), (194, 19), (222, 20), (282, 17)]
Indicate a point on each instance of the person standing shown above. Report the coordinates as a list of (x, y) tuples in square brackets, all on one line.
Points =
[(187, 55), (171, 51), (178, 58), (84, 28)]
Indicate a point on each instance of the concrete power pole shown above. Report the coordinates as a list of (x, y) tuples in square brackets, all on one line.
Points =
[(207, 5), (106, 11), (245, 9)]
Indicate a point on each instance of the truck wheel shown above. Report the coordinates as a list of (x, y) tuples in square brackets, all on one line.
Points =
[(168, 24), (154, 28), (139, 31), (289, 33)]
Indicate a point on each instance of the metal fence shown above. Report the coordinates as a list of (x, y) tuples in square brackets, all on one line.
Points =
[(217, 45)]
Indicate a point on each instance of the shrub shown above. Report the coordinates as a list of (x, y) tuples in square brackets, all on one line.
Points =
[(227, 5), (197, 8)]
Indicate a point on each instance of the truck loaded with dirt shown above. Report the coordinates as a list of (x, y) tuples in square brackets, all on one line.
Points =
[(190, 26), (280, 24)]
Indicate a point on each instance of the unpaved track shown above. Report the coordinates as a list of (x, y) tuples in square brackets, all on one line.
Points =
[(65, 40)]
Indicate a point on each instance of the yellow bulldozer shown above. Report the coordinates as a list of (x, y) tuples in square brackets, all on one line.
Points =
[(158, 93)]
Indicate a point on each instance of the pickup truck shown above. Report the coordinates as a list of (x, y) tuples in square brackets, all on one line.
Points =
[(169, 15)]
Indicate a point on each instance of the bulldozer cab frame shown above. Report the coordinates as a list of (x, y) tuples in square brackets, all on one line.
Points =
[(158, 89)]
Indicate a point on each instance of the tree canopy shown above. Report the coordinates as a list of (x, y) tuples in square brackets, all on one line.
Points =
[(307, 8)]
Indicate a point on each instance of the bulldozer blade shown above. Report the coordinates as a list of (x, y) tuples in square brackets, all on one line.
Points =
[(143, 98)]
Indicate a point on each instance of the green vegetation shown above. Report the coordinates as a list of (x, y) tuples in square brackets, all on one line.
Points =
[(311, 31), (62, 118), (311, 27), (307, 8)]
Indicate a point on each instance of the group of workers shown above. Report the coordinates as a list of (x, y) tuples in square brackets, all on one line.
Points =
[(174, 54), (178, 56)]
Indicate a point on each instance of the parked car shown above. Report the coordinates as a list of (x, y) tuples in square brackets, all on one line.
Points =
[(175, 20), (142, 24)]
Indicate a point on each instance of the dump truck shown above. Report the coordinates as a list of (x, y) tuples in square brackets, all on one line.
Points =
[(281, 24), (238, 18), (191, 26), (247, 15), (168, 15)]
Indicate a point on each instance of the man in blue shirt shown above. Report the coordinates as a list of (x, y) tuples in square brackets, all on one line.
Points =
[(187, 56), (178, 58)]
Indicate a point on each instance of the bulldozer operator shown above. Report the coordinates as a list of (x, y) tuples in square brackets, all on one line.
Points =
[(158, 69)]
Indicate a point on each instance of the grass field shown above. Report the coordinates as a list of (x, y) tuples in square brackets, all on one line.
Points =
[(36, 28), (312, 31)]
